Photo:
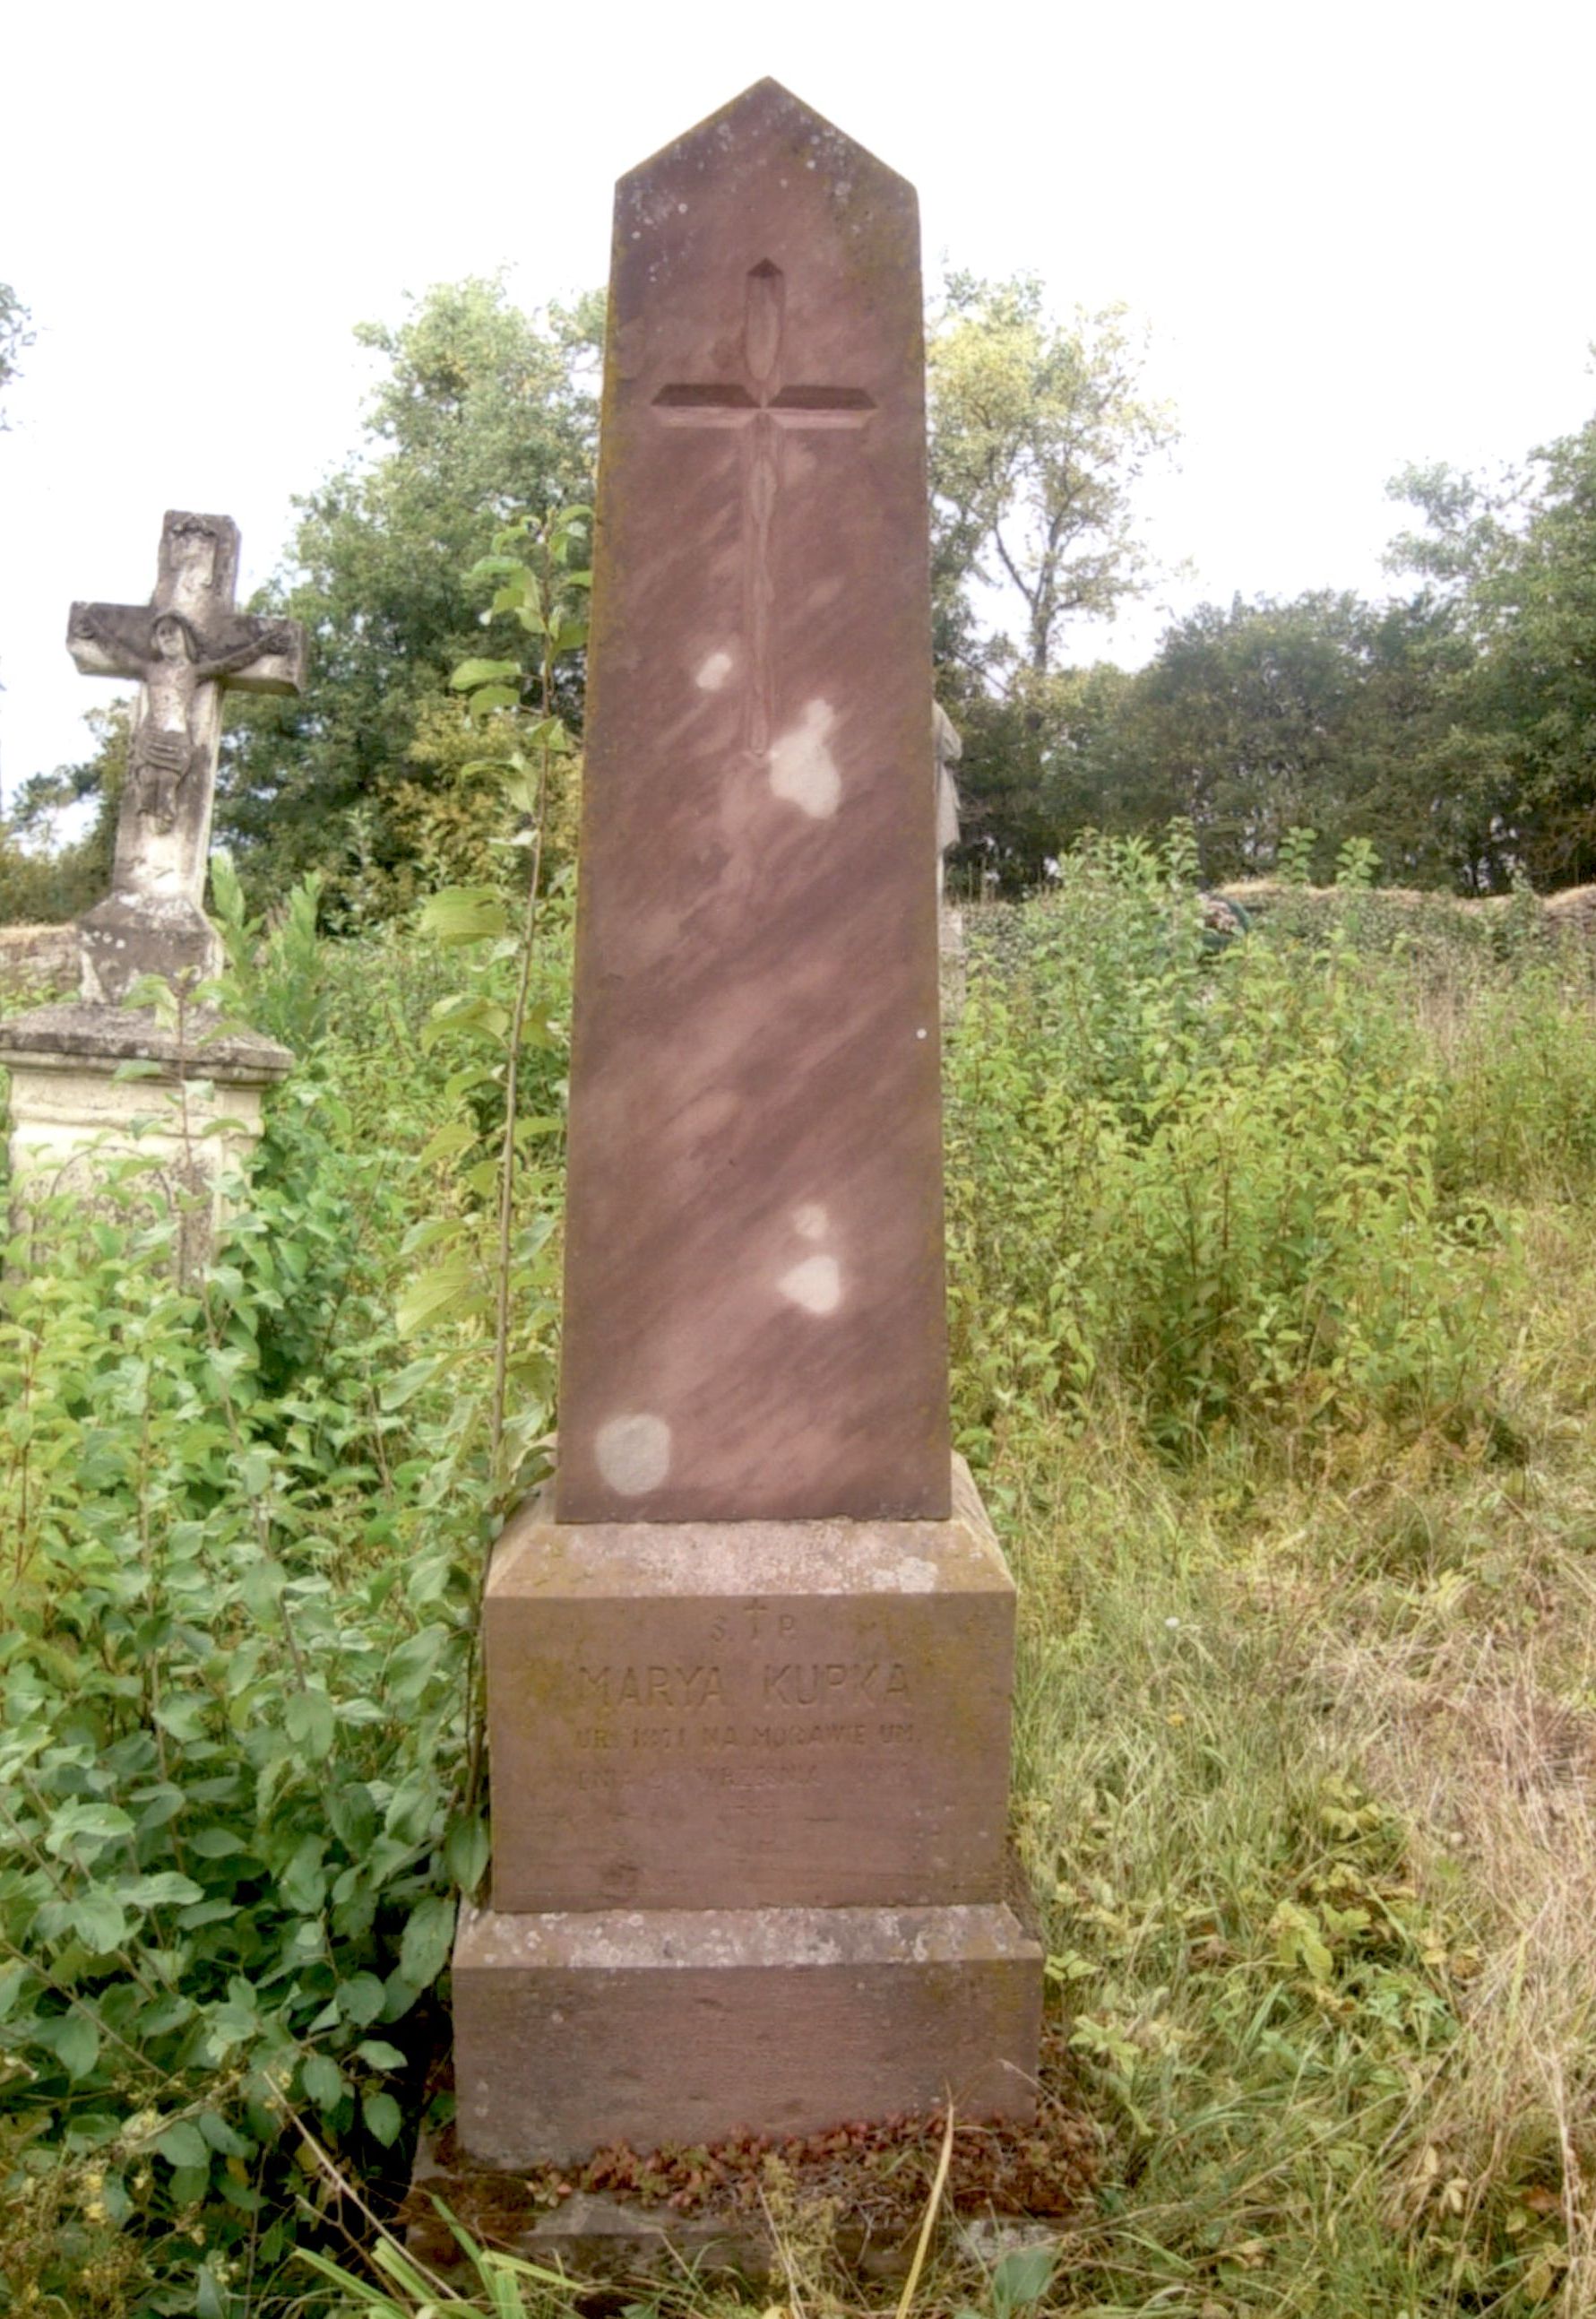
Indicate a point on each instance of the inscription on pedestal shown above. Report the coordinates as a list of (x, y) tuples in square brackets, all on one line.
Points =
[(723, 1727), (817, 1741)]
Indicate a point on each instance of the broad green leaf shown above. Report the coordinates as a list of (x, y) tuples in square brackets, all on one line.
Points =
[(412, 1664), (424, 1951), (383, 2116), (465, 1852), (409, 1380), (360, 2000), (216, 1843), (447, 1142), (471, 674), (77, 1826), (184, 2144), (308, 1718), (164, 1889), (431, 1296), (464, 913), (380, 2053), (182, 1715), (323, 2081), (75, 2041), (99, 1922), (1023, 2276), (221, 2136)]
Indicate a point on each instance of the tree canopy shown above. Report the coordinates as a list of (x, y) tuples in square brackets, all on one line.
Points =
[(1039, 431), (1509, 567), (481, 410), (1453, 725)]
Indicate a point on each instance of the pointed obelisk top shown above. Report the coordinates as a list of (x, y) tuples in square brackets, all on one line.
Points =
[(765, 114)]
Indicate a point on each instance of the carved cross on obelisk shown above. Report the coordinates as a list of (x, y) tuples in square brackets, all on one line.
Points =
[(185, 645), (762, 415)]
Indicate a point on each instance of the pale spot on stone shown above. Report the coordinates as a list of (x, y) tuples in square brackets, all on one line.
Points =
[(809, 1222), (914, 1575), (815, 1283), (634, 1453), (803, 770), (715, 671), (920, 1034)]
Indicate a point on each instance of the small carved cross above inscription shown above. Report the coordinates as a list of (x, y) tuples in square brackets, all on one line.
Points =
[(183, 646), (762, 410)]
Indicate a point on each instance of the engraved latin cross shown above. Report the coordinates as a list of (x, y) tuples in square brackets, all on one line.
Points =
[(762, 410)]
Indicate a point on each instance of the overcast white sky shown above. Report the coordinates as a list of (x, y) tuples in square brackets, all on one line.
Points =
[(1360, 235)]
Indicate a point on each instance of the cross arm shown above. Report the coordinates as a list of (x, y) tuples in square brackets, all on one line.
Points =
[(109, 639), (709, 405), (256, 655)]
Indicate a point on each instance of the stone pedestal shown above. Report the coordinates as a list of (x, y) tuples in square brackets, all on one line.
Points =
[(749, 1784), (92, 1085)]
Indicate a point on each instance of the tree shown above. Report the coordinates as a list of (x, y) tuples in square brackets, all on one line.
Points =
[(1039, 431), (15, 335), (483, 409), (1260, 718), (1034, 773), (1510, 567)]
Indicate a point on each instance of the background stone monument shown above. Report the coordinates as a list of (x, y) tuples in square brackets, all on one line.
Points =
[(749, 1666), (950, 920), (194, 1108)]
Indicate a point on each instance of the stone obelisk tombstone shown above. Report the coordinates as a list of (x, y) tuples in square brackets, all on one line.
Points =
[(194, 1108), (749, 1668)]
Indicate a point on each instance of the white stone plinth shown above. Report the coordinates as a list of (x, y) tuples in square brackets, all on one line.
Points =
[(95, 1086)]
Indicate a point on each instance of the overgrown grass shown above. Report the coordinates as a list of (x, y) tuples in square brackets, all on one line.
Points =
[(1274, 1303)]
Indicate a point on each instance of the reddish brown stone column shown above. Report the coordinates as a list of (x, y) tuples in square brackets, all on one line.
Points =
[(753, 1283), (749, 1672)]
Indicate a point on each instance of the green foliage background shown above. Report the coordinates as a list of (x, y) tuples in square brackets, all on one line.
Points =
[(1451, 725)]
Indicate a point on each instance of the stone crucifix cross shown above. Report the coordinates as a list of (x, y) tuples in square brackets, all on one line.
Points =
[(183, 646), (762, 410)]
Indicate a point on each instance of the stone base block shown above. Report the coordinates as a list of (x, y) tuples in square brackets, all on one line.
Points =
[(679, 2026), (749, 1715), (126, 937), (186, 1112)]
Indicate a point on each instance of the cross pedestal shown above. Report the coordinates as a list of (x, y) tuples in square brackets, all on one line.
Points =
[(749, 1661), (174, 1135)]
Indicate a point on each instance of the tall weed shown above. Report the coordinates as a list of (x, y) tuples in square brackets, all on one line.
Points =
[(1206, 1180)]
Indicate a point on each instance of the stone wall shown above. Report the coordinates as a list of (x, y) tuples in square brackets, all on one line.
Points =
[(37, 962), (1448, 919)]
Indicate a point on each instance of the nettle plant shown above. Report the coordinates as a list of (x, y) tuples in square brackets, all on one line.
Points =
[(232, 1733), (489, 1269), (244, 1518), (484, 1304), (1219, 1171)]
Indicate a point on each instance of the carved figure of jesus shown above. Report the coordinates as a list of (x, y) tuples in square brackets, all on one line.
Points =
[(163, 744)]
